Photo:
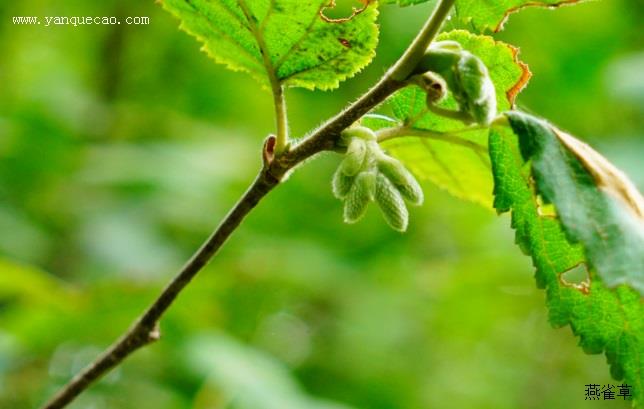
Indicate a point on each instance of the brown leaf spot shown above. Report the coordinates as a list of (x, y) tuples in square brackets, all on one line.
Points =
[(344, 42)]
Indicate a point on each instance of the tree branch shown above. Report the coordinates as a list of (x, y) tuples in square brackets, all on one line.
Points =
[(145, 329), (407, 63)]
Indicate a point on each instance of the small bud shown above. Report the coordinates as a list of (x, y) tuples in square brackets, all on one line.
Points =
[(474, 89), (401, 178), (471, 73), (433, 84), (484, 111), (362, 192), (465, 75), (391, 204)]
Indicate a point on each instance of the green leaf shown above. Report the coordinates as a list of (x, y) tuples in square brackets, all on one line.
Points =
[(597, 205), (403, 3), (289, 42), (609, 321), (463, 170), (488, 15)]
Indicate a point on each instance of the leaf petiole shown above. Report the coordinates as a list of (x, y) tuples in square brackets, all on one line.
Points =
[(451, 137)]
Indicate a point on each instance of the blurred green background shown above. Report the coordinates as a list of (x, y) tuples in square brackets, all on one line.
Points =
[(122, 146)]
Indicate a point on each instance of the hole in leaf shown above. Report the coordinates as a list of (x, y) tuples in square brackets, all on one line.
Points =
[(343, 10), (577, 278), (545, 209)]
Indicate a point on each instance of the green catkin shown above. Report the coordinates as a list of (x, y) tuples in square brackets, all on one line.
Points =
[(374, 151), (355, 157), (391, 204), (402, 179), (367, 174), (361, 132), (341, 184), (361, 193)]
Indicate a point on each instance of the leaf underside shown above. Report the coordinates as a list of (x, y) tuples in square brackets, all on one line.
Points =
[(464, 171), (605, 320), (605, 215), (289, 42), (488, 15)]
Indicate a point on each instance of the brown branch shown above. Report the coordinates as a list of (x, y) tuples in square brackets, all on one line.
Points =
[(145, 329)]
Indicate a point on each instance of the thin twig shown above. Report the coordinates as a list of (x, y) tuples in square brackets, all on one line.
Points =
[(407, 63), (451, 137), (145, 329), (451, 114)]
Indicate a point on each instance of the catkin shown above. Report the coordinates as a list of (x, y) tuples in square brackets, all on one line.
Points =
[(402, 179), (362, 192), (361, 132), (355, 157), (341, 184), (391, 204)]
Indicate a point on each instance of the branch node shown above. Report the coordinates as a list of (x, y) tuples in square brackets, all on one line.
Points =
[(154, 334), (268, 151)]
